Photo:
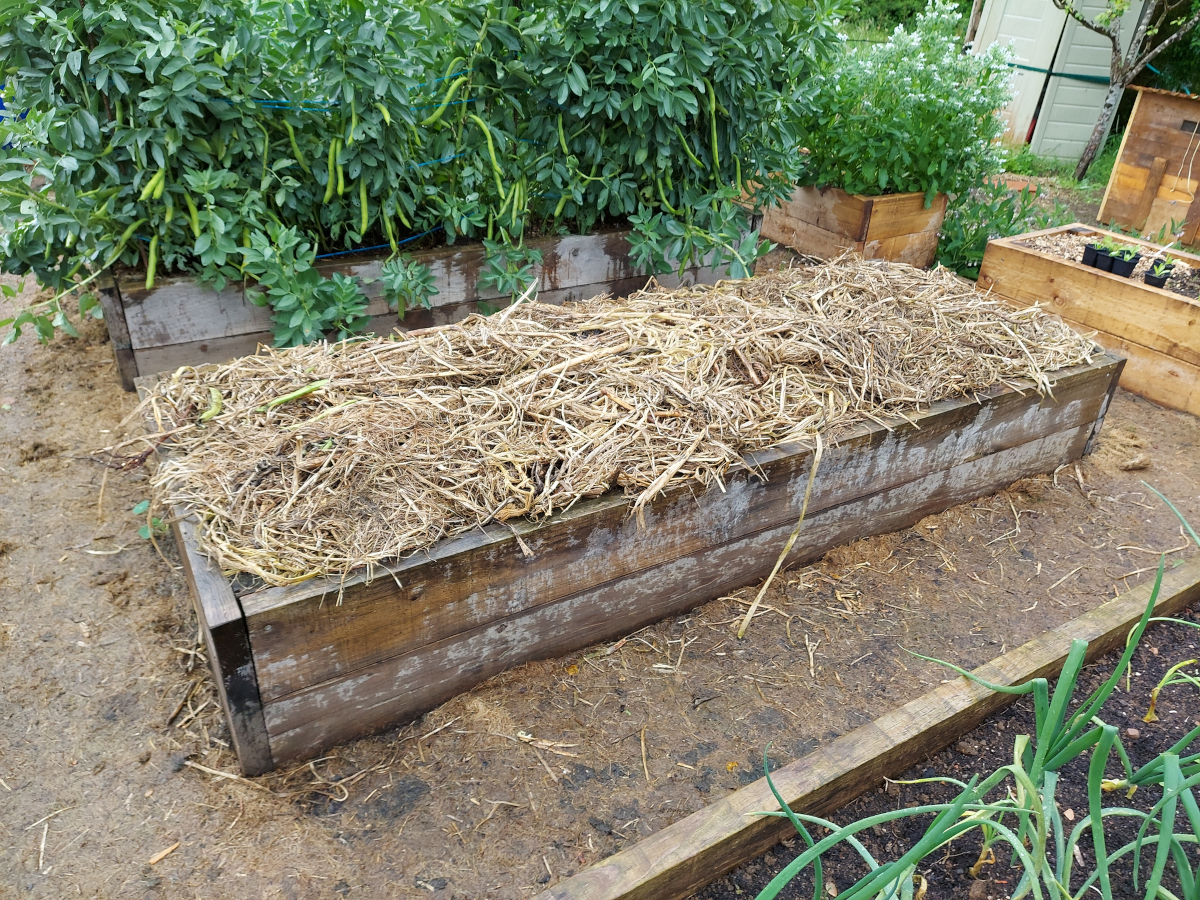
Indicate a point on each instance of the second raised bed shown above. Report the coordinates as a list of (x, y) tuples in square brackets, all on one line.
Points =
[(1156, 329)]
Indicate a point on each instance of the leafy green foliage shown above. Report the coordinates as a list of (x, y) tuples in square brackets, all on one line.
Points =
[(154, 525), (305, 304), (986, 212), (172, 136), (509, 268), (406, 283), (914, 114)]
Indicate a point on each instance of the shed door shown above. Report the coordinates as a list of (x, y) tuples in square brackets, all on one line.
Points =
[(1032, 28), (1071, 106)]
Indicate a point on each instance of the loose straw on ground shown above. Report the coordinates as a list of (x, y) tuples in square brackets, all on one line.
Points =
[(322, 459)]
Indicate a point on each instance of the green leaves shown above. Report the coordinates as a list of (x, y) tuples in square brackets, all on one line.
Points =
[(208, 130), (913, 114)]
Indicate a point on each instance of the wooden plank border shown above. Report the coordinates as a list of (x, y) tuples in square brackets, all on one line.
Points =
[(228, 645), (686, 856)]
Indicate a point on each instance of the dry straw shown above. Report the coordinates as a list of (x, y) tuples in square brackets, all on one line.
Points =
[(321, 459)]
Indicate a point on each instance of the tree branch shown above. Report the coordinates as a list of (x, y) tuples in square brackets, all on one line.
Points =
[(1183, 30)]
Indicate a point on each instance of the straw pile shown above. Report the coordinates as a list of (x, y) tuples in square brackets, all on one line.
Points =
[(326, 458)]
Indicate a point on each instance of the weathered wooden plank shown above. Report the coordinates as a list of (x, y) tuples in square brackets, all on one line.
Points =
[(1154, 179), (182, 311), (904, 214), (1155, 318), (804, 237), (826, 222), (846, 215), (1156, 376), (687, 855), (304, 723), (300, 638), (228, 646), (118, 332), (918, 249)]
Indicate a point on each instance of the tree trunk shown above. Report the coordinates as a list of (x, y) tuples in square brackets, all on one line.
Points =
[(1107, 110), (973, 24)]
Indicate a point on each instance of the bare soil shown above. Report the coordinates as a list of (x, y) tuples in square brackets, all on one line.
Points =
[(986, 749), (108, 711)]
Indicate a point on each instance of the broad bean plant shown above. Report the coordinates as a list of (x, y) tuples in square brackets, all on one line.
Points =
[(244, 141), (913, 114)]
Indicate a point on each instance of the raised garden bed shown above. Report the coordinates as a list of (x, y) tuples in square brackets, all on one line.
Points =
[(825, 222), (184, 323), (1157, 329), (299, 672)]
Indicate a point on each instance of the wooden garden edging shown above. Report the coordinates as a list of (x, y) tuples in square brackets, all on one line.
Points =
[(825, 222), (685, 856), (308, 666), (1156, 329), (184, 323)]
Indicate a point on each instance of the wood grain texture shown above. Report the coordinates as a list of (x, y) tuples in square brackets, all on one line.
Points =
[(118, 332), (1154, 133), (302, 638), (305, 722), (825, 222), (1145, 200), (893, 215), (228, 646), (687, 855), (1163, 379)]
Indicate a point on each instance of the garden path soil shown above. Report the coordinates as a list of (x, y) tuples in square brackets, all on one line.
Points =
[(987, 748), (107, 708)]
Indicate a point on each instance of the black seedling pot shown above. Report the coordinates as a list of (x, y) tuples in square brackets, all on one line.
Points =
[(1158, 281), (1125, 267), (1089, 254), (1104, 261)]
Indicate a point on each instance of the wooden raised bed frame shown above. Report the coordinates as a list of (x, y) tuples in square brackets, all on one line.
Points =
[(184, 323), (298, 671), (825, 222), (1156, 329)]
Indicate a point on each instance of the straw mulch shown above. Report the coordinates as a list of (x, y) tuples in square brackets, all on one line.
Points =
[(401, 443)]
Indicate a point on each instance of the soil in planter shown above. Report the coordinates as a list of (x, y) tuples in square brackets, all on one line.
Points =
[(987, 748), (110, 698), (1184, 279)]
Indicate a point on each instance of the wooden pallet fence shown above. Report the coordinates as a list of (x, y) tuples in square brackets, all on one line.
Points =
[(305, 667), (825, 222), (1156, 329), (691, 853), (184, 323)]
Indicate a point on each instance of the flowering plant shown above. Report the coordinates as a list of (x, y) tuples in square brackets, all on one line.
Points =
[(913, 114)]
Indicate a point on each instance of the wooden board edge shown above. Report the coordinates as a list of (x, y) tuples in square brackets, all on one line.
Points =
[(1090, 446), (118, 332), (1112, 176), (227, 641), (694, 851)]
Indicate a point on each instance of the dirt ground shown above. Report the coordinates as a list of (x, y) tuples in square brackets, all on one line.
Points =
[(983, 751), (109, 735)]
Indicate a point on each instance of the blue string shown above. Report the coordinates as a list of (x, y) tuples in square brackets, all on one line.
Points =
[(380, 246)]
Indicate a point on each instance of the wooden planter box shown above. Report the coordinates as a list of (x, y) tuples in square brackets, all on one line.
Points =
[(1158, 330), (825, 222), (183, 323), (299, 672)]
